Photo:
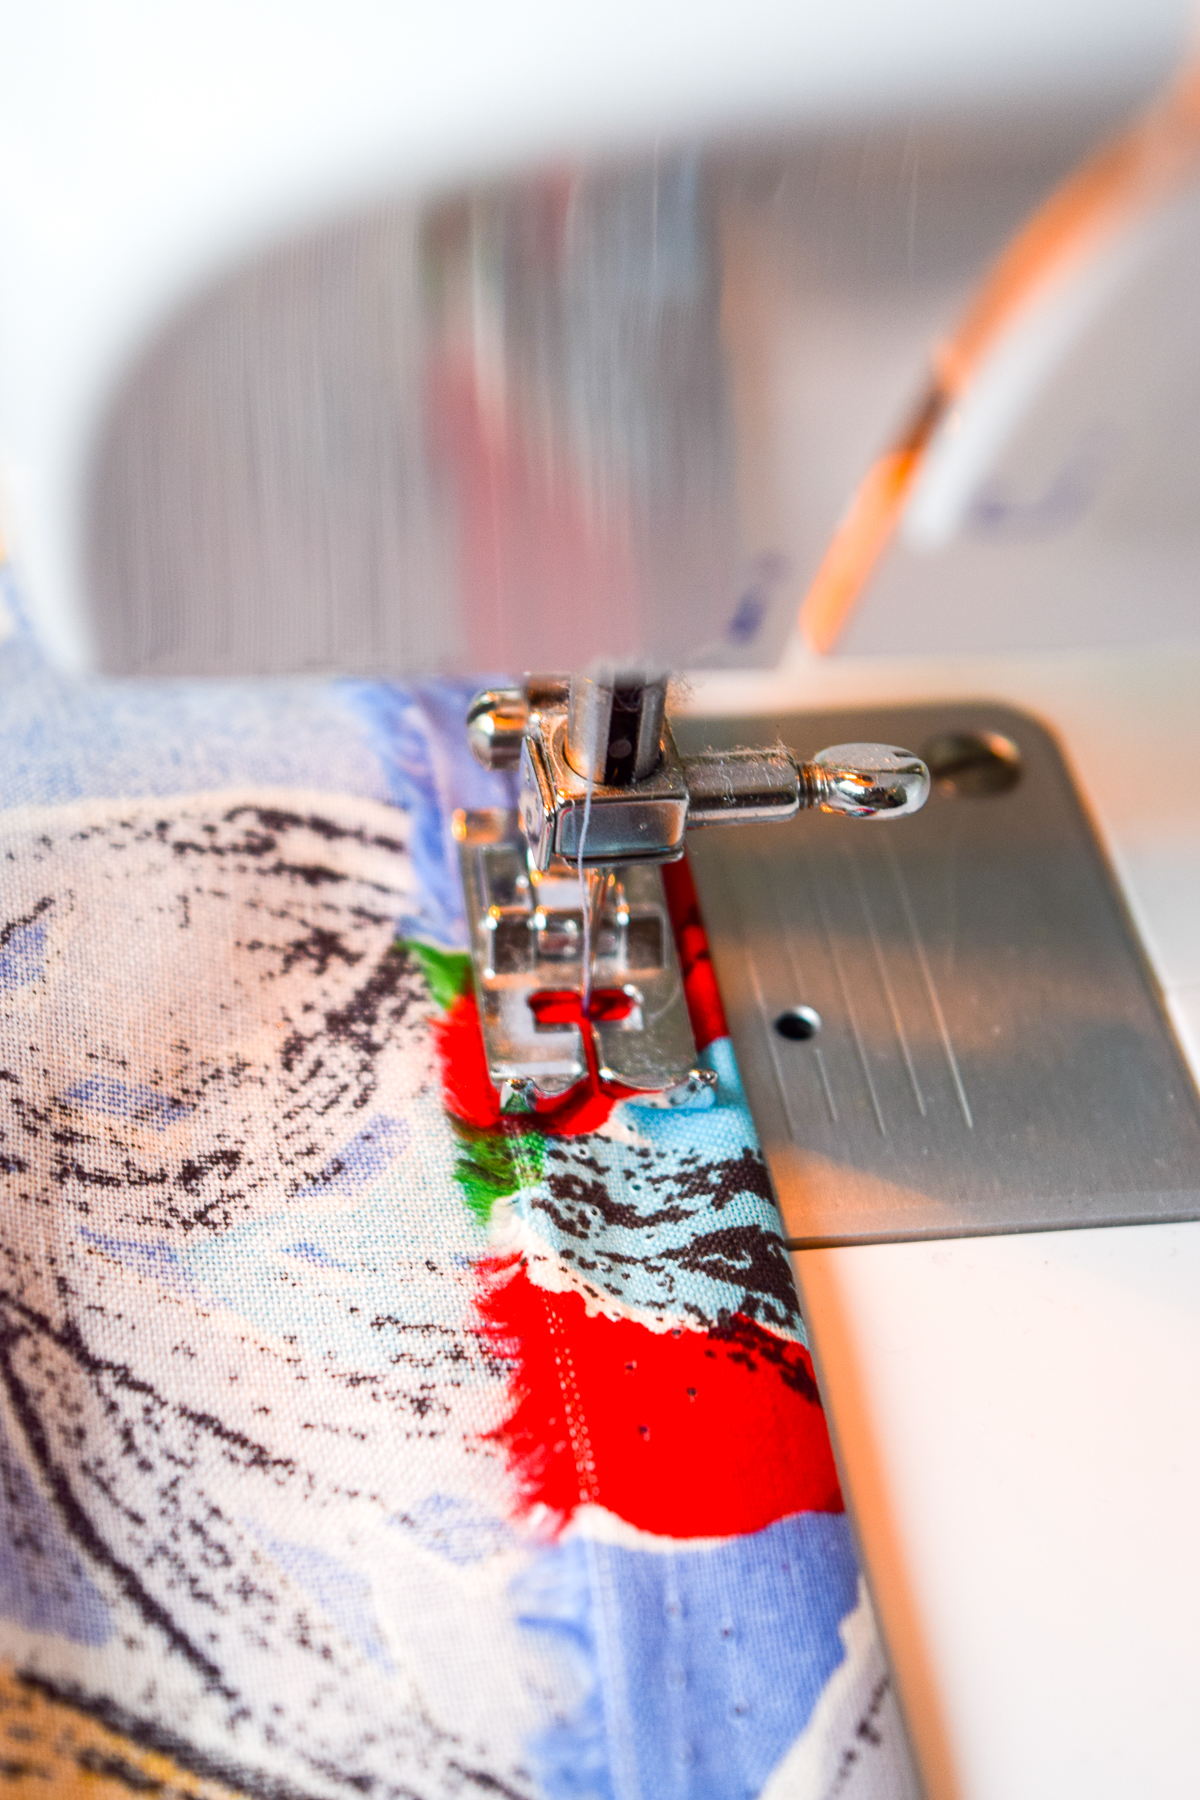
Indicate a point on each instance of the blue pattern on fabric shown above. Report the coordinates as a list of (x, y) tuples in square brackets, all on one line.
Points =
[(557, 1598), (420, 742), (343, 1594), (368, 1153), (63, 739), (43, 1585), (158, 1262), (461, 781), (22, 954), (142, 1105), (313, 1253), (712, 1658), (448, 1526)]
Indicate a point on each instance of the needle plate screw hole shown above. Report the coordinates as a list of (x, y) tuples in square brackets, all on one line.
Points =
[(973, 764), (798, 1023)]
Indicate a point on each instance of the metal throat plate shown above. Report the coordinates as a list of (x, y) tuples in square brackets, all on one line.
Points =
[(992, 1052)]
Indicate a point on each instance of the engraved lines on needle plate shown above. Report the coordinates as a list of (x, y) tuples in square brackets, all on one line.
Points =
[(992, 1053), (852, 948)]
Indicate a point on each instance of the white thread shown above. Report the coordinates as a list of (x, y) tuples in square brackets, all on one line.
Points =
[(585, 899)]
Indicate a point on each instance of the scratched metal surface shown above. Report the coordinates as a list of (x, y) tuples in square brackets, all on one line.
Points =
[(993, 1053)]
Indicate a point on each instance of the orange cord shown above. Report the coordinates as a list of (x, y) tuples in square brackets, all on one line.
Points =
[(1118, 185)]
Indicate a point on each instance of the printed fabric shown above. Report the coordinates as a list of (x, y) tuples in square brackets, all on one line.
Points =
[(355, 1441)]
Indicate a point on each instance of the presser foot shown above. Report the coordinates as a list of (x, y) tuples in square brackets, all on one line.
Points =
[(527, 939)]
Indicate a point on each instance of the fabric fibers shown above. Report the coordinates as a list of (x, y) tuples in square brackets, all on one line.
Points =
[(353, 1440)]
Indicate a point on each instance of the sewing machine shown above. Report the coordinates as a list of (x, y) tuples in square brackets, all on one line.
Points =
[(211, 280)]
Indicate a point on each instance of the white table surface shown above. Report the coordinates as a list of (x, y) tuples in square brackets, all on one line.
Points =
[(1018, 1418)]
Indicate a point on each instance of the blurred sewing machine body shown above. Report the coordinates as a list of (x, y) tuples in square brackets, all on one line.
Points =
[(1024, 1507), (190, 207)]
